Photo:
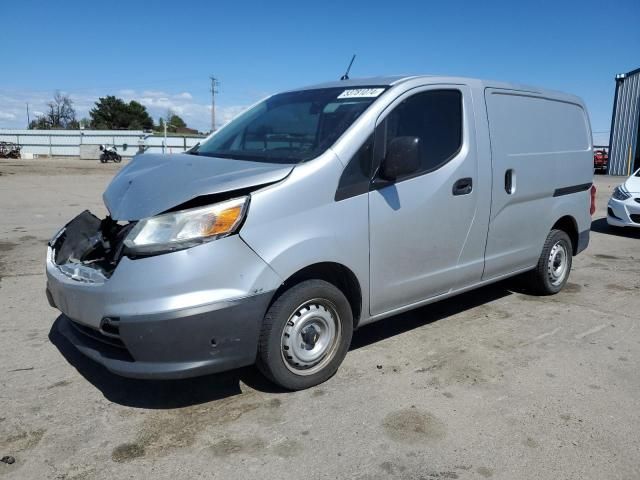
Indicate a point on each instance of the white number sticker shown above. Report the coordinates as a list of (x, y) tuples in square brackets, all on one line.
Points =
[(361, 93)]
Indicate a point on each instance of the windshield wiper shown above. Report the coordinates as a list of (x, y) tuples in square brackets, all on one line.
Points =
[(194, 150)]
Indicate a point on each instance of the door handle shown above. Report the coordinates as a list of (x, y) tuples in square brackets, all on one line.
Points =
[(510, 181), (464, 186)]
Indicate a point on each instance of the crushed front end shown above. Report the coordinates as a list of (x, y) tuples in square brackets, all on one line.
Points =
[(88, 249), (172, 315)]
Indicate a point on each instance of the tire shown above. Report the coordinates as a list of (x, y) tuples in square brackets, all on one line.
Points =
[(103, 158), (117, 159), (554, 265), (305, 335)]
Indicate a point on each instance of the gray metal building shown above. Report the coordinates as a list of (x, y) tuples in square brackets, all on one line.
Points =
[(624, 153)]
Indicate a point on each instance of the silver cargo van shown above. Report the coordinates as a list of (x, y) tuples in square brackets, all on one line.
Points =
[(320, 210)]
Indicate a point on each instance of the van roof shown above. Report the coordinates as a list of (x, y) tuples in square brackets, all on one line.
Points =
[(475, 82)]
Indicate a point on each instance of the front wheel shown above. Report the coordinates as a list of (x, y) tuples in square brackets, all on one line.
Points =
[(305, 335), (554, 265), (117, 159)]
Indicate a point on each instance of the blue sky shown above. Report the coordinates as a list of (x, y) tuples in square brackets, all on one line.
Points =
[(162, 52)]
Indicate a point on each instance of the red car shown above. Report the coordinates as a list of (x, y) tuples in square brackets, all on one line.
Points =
[(600, 160)]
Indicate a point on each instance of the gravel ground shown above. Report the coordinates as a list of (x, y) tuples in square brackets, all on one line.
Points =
[(490, 384)]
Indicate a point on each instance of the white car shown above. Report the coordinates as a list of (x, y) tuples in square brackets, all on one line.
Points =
[(623, 209)]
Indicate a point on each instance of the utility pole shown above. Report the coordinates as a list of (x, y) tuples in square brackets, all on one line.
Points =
[(28, 119), (215, 83)]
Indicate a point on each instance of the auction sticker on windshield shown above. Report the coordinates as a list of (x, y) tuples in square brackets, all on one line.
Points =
[(361, 93)]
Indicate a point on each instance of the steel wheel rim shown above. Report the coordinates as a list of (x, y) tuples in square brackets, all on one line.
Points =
[(311, 337), (558, 264)]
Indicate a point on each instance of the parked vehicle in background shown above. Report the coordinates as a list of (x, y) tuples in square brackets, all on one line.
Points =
[(600, 160), (109, 153), (9, 150), (623, 209), (320, 210)]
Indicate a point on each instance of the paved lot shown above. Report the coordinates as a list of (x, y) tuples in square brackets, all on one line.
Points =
[(494, 383)]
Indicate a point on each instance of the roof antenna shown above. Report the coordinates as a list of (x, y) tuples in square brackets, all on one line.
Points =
[(346, 74)]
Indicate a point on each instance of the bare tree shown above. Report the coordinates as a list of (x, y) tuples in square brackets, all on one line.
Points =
[(61, 114)]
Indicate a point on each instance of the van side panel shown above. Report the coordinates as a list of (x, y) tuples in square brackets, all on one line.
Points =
[(545, 142)]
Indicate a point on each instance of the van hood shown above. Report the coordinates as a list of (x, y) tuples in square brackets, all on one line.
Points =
[(632, 184), (154, 183)]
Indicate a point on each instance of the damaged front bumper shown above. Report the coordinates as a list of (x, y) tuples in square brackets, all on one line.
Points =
[(174, 315)]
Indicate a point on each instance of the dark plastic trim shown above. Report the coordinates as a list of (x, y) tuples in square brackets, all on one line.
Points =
[(180, 344), (583, 241), (572, 189)]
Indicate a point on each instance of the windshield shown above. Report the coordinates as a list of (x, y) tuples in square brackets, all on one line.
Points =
[(290, 127)]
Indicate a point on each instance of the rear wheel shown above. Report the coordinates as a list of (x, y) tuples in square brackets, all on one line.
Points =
[(305, 335), (554, 265)]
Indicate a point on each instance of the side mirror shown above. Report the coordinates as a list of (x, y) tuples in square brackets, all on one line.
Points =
[(403, 158)]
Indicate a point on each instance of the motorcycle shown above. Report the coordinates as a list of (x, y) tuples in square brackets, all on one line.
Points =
[(109, 153)]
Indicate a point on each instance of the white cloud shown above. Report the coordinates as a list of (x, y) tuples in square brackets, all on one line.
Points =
[(197, 114)]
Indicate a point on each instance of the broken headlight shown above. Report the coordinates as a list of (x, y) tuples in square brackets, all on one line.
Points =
[(186, 228)]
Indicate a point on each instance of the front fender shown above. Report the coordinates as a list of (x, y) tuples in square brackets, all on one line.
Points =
[(297, 223)]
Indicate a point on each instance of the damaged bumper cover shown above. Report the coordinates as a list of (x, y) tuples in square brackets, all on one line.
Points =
[(174, 315)]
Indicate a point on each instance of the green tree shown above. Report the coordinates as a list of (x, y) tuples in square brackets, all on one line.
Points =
[(139, 118), (112, 113), (173, 121), (176, 121)]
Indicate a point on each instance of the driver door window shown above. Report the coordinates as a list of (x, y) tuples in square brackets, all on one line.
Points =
[(435, 117)]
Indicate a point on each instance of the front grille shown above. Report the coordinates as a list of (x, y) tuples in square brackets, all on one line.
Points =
[(635, 217)]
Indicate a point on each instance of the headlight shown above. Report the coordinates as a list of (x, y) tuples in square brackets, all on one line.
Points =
[(620, 194), (186, 228)]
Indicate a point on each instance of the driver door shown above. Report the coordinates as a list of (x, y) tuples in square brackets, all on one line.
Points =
[(425, 238)]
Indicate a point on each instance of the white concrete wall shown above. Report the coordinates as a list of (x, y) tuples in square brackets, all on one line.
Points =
[(68, 142)]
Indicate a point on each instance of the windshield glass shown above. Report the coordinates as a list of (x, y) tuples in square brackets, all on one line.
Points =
[(290, 127)]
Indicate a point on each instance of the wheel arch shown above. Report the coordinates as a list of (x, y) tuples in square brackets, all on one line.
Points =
[(569, 225), (335, 273)]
